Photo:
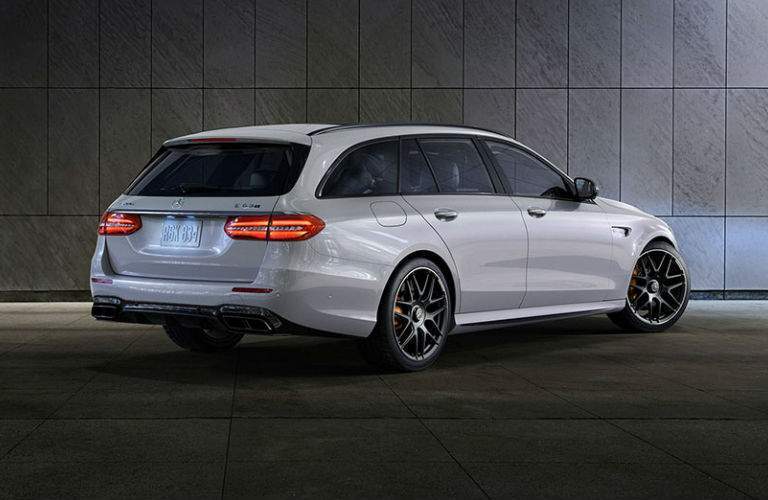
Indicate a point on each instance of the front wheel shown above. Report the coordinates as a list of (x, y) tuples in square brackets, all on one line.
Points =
[(658, 290), (414, 318), (202, 339)]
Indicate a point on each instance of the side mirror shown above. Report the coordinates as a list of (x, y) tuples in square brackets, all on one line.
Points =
[(586, 189)]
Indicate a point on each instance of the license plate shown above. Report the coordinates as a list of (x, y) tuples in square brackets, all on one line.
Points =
[(181, 233)]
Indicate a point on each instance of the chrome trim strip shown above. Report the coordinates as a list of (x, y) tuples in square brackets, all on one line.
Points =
[(199, 213)]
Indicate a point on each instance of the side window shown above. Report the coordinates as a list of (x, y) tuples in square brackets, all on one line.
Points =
[(528, 176), (457, 165), (367, 171), (415, 175)]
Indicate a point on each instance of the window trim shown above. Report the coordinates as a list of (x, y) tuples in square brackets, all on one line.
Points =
[(343, 156), (497, 188), (547, 164), (426, 162), (150, 165), (490, 167), (496, 179)]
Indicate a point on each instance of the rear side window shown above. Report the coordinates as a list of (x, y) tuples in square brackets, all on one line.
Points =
[(415, 175), (457, 166), (367, 171), (221, 170)]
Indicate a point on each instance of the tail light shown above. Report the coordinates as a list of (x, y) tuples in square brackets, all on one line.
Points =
[(274, 227), (117, 224)]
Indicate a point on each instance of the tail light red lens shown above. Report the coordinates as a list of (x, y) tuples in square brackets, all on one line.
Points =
[(294, 227), (273, 228), (119, 224), (247, 227)]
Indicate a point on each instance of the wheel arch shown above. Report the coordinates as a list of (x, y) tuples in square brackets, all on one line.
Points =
[(661, 239), (439, 262), (657, 237)]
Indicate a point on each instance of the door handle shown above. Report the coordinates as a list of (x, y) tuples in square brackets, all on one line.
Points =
[(446, 214), (536, 212)]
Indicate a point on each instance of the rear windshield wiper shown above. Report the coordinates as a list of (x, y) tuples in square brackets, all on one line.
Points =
[(193, 187)]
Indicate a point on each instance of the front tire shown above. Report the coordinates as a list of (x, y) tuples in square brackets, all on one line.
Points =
[(414, 319), (201, 339), (658, 290)]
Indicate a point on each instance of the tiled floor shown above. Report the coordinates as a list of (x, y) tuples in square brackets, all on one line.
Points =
[(564, 409)]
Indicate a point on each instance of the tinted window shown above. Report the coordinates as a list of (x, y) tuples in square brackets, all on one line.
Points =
[(457, 165), (528, 176), (220, 170), (415, 175), (366, 171)]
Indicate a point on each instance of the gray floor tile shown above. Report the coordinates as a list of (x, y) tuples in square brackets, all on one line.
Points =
[(30, 404), (170, 402), (589, 375), (19, 314), (470, 377), (545, 441), (333, 440), (715, 374), (42, 378), (257, 380), (706, 441), (349, 480), (102, 441), (13, 431), (334, 400), (482, 403), (756, 399), (677, 403), (127, 480), (158, 379), (751, 479), (131, 415), (613, 481), (31, 356), (16, 337)]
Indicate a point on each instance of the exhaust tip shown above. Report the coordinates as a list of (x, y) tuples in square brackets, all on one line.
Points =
[(249, 319), (105, 307), (104, 311), (246, 324)]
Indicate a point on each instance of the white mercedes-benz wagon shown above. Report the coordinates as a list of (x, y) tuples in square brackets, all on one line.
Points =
[(395, 234)]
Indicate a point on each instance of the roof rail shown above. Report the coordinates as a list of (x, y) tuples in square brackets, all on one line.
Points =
[(347, 126)]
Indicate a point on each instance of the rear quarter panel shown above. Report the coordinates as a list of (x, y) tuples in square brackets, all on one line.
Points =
[(357, 243), (352, 234)]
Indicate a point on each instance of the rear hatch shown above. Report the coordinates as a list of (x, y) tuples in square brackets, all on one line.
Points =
[(184, 199)]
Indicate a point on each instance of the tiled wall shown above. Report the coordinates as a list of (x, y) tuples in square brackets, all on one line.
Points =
[(664, 102)]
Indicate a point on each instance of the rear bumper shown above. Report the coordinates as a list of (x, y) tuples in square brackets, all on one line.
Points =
[(230, 317), (317, 292)]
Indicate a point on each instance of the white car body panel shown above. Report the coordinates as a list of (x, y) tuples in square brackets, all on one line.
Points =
[(569, 256)]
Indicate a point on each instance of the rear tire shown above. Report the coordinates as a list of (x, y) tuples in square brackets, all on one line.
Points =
[(202, 340), (647, 310), (414, 318)]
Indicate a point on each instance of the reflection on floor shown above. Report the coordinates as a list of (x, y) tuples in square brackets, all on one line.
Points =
[(569, 408)]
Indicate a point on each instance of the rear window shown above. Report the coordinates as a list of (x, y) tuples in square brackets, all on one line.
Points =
[(221, 170)]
